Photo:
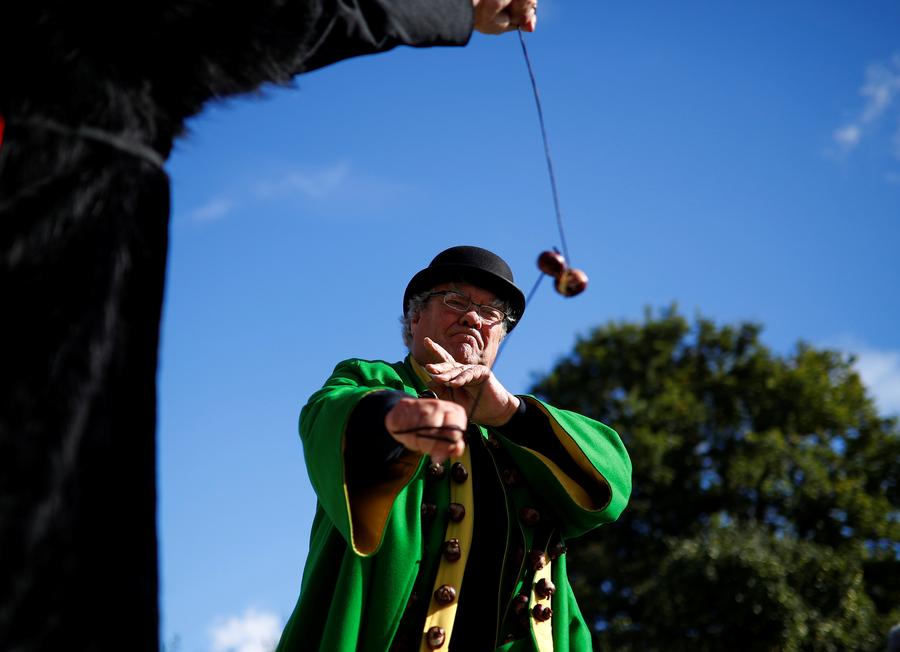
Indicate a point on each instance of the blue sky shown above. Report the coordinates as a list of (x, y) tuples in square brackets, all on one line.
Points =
[(740, 159)]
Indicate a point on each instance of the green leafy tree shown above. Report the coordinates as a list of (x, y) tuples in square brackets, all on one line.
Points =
[(766, 506)]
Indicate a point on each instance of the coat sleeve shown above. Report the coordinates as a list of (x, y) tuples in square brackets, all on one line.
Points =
[(348, 29), (578, 465), (153, 64), (221, 49), (360, 514)]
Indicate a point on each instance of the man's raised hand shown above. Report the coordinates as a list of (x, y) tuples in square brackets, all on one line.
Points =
[(498, 16), (465, 384)]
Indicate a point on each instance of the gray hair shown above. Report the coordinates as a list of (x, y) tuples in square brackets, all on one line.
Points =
[(416, 304)]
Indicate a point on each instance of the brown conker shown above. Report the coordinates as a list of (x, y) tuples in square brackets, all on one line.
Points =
[(552, 263), (571, 282)]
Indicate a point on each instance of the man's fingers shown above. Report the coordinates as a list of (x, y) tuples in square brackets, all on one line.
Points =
[(438, 368), (441, 452), (521, 9), (428, 426), (499, 16), (462, 375), (442, 391), (437, 447), (501, 22), (438, 443), (492, 16), (529, 24), (439, 350), (438, 433)]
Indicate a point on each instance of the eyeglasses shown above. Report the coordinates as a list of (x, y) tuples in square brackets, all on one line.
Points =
[(459, 302)]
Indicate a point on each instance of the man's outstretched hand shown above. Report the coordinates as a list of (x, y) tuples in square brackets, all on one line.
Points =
[(498, 16), (428, 426)]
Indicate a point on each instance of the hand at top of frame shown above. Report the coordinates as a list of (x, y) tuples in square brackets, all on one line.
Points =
[(499, 16)]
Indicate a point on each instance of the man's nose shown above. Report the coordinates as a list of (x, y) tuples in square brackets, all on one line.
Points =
[(472, 318)]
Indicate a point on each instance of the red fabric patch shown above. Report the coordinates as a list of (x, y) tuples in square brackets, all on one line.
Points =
[(2, 124)]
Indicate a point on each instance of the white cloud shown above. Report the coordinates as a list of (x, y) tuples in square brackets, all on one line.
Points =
[(335, 189), (880, 371), (882, 84), (847, 136), (878, 368), (879, 91), (215, 209), (254, 631), (312, 185)]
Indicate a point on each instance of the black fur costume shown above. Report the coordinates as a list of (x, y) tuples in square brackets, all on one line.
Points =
[(93, 95)]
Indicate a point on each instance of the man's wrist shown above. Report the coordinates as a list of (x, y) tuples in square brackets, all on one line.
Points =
[(512, 407)]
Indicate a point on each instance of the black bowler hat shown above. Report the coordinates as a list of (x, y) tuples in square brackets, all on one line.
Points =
[(472, 265)]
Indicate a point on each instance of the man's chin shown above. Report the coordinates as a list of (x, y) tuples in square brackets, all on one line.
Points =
[(465, 353)]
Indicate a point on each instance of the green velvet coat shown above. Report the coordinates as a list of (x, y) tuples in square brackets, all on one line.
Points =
[(366, 547)]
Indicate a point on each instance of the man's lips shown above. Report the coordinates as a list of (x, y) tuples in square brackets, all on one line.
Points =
[(467, 335)]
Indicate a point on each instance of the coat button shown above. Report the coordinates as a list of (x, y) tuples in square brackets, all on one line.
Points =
[(435, 471), (457, 512), (558, 550), (493, 443), (452, 551), (459, 473), (541, 612), (530, 516), (434, 637), (537, 559), (545, 588), (445, 594), (428, 511), (510, 477)]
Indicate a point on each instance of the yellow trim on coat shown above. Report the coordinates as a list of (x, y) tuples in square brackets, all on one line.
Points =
[(370, 508), (451, 572), (419, 370), (575, 491), (542, 631)]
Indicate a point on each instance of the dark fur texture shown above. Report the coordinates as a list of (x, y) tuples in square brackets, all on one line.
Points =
[(83, 238)]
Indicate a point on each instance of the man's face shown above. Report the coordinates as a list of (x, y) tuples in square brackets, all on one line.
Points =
[(465, 336)]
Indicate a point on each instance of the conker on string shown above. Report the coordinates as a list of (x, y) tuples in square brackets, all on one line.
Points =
[(552, 263), (571, 282)]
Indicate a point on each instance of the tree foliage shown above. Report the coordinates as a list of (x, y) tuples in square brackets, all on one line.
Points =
[(765, 513)]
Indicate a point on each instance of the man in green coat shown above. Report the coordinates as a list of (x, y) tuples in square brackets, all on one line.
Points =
[(444, 501)]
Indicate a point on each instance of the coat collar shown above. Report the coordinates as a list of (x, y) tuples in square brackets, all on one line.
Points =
[(419, 374)]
